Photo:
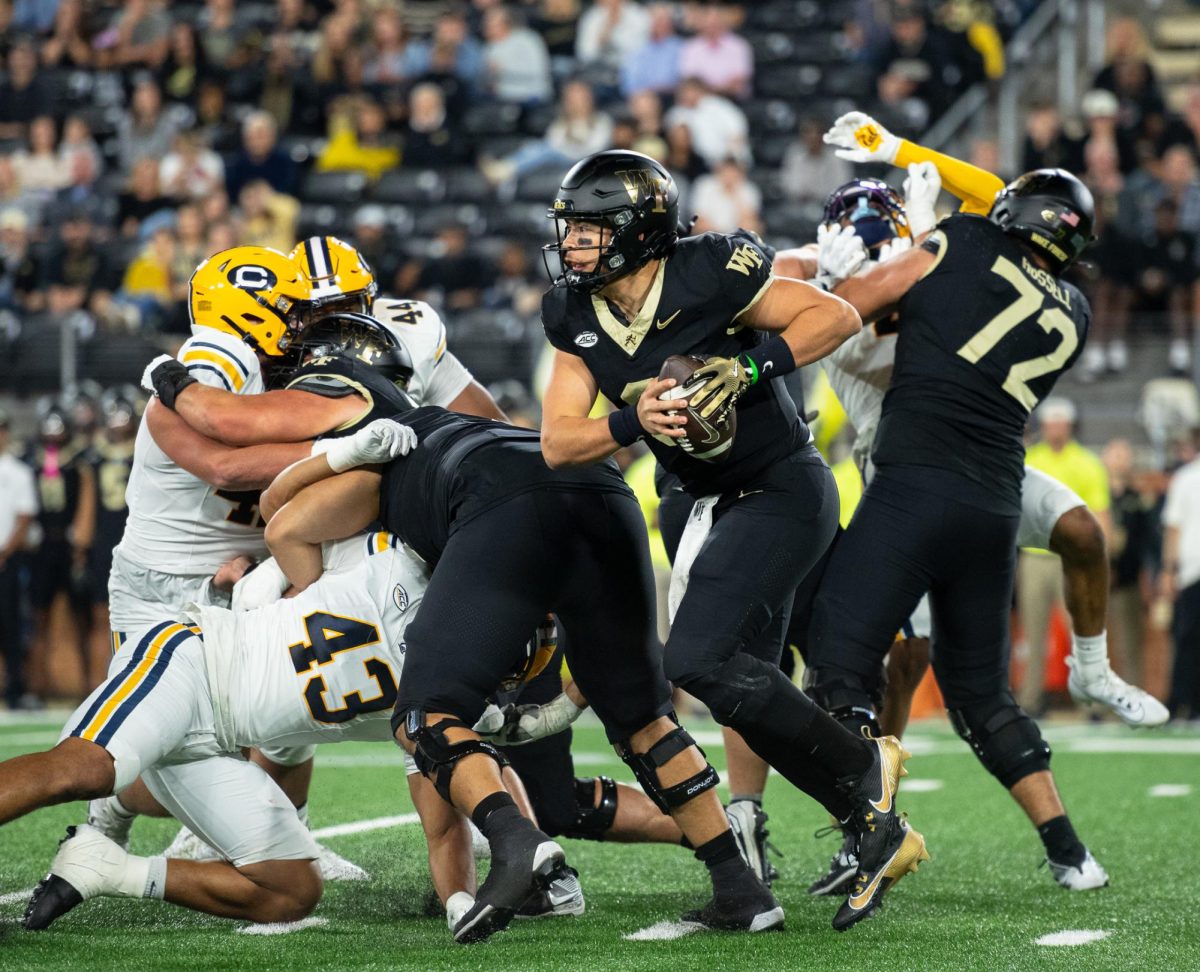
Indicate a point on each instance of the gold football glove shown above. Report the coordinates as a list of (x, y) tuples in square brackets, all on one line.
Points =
[(725, 381)]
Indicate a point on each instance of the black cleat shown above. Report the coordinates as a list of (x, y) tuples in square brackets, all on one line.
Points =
[(842, 867), (749, 906), (51, 899), (522, 866), (897, 855)]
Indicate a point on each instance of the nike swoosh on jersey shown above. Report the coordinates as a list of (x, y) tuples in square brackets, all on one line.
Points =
[(661, 324)]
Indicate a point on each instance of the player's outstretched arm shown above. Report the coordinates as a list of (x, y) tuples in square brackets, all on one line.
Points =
[(218, 464), (811, 322), (571, 438), (876, 293), (244, 420)]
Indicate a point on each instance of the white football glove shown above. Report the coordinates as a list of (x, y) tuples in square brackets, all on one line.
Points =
[(894, 247), (381, 441), (147, 383), (860, 138), (527, 723), (263, 585), (921, 188), (840, 254)]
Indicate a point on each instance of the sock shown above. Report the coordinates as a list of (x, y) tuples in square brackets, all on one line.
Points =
[(1061, 843), (1090, 652), (755, 798), (302, 813), (495, 814), (720, 855), (141, 877), (685, 843), (117, 807)]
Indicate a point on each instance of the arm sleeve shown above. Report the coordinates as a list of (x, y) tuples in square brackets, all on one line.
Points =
[(976, 187)]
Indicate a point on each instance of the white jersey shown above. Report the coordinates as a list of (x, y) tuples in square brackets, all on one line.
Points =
[(438, 376), (860, 371), (322, 666), (179, 524)]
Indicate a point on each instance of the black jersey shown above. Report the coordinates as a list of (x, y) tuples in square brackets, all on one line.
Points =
[(339, 375), (111, 464), (463, 466), (59, 481), (983, 338), (693, 308)]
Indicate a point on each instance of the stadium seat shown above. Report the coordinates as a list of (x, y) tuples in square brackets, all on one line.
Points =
[(333, 187), (796, 220), (495, 118), (770, 151), (415, 186), (787, 80), (468, 185), (428, 220), (540, 185), (770, 117), (848, 80)]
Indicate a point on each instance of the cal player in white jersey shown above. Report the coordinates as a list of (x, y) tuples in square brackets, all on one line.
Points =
[(181, 701)]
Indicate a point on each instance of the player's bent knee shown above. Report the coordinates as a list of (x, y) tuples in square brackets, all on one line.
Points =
[(436, 757), (851, 699), (81, 770), (646, 766), (1006, 740), (736, 691), (595, 812), (286, 890), (1078, 537)]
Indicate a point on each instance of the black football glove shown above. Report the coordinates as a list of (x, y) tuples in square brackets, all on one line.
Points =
[(168, 379), (725, 381)]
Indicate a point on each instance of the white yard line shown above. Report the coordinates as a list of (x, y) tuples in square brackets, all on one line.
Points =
[(363, 826), (1171, 790), (664, 931), (14, 896), (1073, 936), (284, 927)]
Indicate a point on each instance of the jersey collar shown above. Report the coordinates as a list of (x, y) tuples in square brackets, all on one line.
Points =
[(629, 337)]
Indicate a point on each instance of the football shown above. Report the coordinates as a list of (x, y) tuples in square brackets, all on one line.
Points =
[(704, 439)]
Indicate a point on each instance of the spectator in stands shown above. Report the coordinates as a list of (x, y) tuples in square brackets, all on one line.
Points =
[(646, 109), (717, 125), (185, 65), (810, 170), (142, 199), (148, 284), (14, 196), (517, 63), (191, 247), (511, 286), (1039, 572), (145, 129), (429, 140), (1184, 128), (260, 158), (1100, 114), (212, 121), (387, 61), (337, 37), (18, 269), (268, 217), (900, 106), (578, 129), (453, 278), (78, 274), (34, 16), (371, 239), (726, 200), (18, 507), (460, 50), (951, 64), (223, 36), (69, 43), (720, 58), (1179, 583), (358, 139), (610, 32), (1111, 291), (191, 170), (140, 37), (223, 235), (1167, 274), (1135, 531), (1128, 75), (1046, 144), (40, 167), (24, 95), (287, 91), (76, 140), (656, 65), (557, 21), (682, 159)]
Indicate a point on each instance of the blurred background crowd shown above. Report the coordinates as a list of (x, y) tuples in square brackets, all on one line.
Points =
[(137, 137)]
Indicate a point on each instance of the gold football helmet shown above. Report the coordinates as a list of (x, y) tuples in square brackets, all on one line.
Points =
[(253, 292), (342, 280)]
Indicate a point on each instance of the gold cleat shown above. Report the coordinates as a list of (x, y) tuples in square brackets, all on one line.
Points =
[(906, 852)]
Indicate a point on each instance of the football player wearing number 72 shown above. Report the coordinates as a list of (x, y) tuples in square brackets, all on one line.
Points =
[(987, 325)]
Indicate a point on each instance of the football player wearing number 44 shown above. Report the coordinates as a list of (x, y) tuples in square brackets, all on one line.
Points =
[(987, 325), (630, 294)]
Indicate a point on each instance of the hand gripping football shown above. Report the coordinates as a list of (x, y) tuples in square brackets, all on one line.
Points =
[(703, 438)]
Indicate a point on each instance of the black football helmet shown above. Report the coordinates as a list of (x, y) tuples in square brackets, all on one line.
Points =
[(357, 336), (1050, 210), (630, 194)]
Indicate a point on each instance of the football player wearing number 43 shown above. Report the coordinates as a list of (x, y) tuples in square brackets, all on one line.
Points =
[(987, 325), (630, 294)]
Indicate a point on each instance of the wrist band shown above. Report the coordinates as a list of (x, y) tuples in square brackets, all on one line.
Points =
[(624, 427), (770, 359)]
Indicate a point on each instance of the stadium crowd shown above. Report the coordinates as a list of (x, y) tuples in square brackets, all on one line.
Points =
[(136, 138)]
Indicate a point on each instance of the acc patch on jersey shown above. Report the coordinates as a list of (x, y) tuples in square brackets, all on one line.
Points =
[(400, 596), (587, 339)]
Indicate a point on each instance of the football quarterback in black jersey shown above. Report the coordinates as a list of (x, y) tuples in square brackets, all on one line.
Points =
[(630, 293), (987, 326)]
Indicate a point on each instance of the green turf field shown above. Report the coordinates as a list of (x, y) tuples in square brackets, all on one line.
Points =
[(979, 904)]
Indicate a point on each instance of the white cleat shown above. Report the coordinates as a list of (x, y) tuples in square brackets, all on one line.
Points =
[(334, 867), (1134, 706), (188, 847), (1086, 876), (747, 822), (106, 815), (87, 865), (479, 844)]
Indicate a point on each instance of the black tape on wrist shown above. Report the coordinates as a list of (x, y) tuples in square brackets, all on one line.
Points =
[(769, 360), (624, 427)]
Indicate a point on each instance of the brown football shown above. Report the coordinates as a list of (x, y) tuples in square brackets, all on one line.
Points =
[(703, 439)]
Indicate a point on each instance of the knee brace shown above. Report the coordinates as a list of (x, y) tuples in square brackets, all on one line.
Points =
[(436, 756), (738, 689), (593, 819), (852, 700), (645, 767), (1006, 740)]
